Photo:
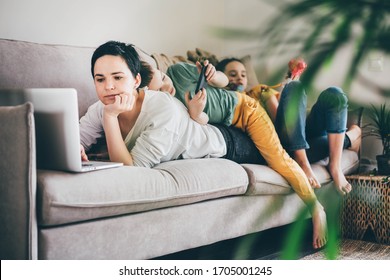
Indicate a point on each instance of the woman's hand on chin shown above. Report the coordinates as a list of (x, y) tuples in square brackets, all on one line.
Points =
[(123, 102)]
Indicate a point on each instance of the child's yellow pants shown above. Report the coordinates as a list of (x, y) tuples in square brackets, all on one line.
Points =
[(252, 118)]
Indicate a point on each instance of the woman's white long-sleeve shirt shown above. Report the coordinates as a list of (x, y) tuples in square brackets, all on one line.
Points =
[(163, 131)]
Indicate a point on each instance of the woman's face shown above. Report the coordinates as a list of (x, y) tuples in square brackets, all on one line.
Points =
[(162, 82), (113, 77), (236, 73)]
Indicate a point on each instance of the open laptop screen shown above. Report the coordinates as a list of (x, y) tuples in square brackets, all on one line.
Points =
[(56, 125)]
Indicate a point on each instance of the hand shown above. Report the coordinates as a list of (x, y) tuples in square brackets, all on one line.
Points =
[(210, 69), (197, 104), (213, 77), (123, 102), (84, 156)]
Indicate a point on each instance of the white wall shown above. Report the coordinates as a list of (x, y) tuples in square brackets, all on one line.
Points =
[(166, 26), (170, 26)]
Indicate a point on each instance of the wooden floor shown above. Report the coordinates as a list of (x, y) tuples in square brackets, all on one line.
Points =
[(264, 245), (349, 249), (270, 244)]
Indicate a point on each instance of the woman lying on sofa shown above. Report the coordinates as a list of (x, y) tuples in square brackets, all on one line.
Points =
[(228, 109), (309, 139)]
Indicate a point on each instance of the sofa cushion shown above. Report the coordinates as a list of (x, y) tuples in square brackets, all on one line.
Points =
[(67, 197), (265, 181), (163, 61)]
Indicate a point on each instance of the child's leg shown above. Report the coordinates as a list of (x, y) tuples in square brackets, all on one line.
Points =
[(253, 119), (290, 125), (336, 141), (290, 119), (328, 118)]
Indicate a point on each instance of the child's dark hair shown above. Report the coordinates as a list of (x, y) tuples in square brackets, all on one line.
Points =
[(126, 51), (222, 64), (146, 73)]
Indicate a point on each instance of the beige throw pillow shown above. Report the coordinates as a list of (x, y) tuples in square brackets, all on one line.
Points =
[(163, 61)]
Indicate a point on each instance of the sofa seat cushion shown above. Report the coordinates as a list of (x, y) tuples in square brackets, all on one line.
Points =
[(265, 181), (68, 197)]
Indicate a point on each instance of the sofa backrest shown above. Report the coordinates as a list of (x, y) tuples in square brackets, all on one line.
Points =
[(32, 65), (29, 65)]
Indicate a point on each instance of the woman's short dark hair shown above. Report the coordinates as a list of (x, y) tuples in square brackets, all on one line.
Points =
[(222, 64), (126, 51)]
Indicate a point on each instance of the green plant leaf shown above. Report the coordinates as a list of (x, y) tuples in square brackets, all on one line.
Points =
[(380, 125), (329, 26)]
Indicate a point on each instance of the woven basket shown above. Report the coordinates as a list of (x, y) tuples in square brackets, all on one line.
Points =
[(367, 206)]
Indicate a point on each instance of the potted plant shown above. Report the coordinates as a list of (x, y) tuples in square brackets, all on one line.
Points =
[(380, 128)]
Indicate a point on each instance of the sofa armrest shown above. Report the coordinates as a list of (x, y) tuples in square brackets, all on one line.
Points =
[(18, 230), (355, 116)]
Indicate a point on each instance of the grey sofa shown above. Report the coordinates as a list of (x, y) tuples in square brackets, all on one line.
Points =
[(126, 212)]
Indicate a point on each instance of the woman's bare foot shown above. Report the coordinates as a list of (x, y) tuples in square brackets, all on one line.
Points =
[(319, 226)]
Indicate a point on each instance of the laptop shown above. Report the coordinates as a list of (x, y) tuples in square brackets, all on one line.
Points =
[(56, 127)]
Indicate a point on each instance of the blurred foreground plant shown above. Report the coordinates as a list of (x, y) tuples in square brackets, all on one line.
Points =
[(317, 30)]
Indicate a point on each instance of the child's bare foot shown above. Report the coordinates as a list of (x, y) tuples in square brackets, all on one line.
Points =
[(342, 185), (296, 67), (344, 189), (319, 226), (314, 183), (301, 158)]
